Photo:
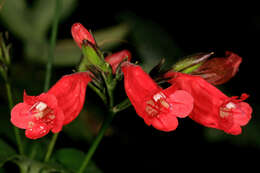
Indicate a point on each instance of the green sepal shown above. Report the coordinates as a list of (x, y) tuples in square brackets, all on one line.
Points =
[(190, 63), (92, 56)]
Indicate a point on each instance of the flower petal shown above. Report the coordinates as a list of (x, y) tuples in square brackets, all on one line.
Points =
[(70, 92), (37, 131), (58, 121), (138, 86), (242, 114), (80, 33), (116, 58), (165, 122), (181, 101), (20, 116)]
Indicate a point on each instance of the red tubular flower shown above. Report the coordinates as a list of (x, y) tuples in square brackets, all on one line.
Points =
[(212, 108), (51, 110), (116, 58), (219, 70), (159, 108), (80, 33)]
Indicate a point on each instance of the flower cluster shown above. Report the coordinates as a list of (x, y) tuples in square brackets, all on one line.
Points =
[(189, 95)]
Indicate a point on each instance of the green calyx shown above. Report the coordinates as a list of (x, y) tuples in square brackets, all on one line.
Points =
[(191, 63), (92, 56)]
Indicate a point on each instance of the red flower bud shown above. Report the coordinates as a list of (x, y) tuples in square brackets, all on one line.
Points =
[(116, 58), (219, 70), (80, 33), (212, 108), (51, 110), (159, 108)]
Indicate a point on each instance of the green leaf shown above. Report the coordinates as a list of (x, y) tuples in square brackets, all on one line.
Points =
[(71, 158), (43, 12), (67, 53), (6, 152), (152, 42), (16, 16), (32, 166), (108, 38)]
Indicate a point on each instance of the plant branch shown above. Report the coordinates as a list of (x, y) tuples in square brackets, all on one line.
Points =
[(49, 68), (52, 44), (16, 130), (96, 142)]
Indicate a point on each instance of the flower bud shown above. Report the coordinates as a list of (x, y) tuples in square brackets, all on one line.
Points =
[(191, 63), (80, 33), (219, 70)]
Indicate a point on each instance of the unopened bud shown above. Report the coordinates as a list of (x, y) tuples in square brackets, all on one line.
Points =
[(219, 70), (191, 63)]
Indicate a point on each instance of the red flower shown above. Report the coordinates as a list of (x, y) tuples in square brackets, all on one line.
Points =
[(80, 33), (219, 70), (212, 108), (159, 108), (51, 110), (116, 58)]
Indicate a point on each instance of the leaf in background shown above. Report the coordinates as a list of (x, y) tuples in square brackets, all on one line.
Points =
[(68, 54), (108, 38), (72, 158), (151, 41), (32, 166), (16, 17), (6, 152), (43, 12)]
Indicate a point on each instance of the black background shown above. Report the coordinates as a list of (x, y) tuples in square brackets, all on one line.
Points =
[(137, 147)]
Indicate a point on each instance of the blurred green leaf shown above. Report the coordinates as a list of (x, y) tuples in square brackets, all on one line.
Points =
[(32, 166), (151, 41), (16, 16), (68, 54), (6, 152), (43, 12), (72, 159), (108, 38)]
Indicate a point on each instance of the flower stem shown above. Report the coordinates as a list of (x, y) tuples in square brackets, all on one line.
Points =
[(16, 130), (98, 92), (51, 147), (52, 44), (97, 140), (49, 68), (121, 106)]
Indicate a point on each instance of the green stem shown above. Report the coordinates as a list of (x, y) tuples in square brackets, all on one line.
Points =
[(16, 130), (52, 44), (110, 86), (98, 92), (51, 147), (96, 142), (49, 68), (121, 106)]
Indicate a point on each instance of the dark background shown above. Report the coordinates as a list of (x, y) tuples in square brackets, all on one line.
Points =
[(132, 146)]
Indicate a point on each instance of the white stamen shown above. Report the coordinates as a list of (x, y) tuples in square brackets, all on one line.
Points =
[(230, 105), (158, 96), (41, 106)]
